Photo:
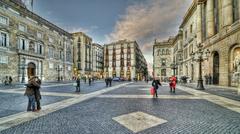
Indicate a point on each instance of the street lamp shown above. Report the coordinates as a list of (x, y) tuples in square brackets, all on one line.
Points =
[(198, 56), (59, 69), (174, 67)]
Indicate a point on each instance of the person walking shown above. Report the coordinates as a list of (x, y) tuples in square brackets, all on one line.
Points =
[(89, 81), (78, 85), (29, 92), (106, 81), (10, 80), (173, 83), (155, 84), (110, 81), (37, 93)]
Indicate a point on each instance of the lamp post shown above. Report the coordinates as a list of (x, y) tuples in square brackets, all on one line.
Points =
[(174, 67), (58, 70), (200, 58)]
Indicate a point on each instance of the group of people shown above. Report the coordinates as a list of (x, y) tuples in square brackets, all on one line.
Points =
[(172, 85), (8, 80), (33, 93), (108, 82)]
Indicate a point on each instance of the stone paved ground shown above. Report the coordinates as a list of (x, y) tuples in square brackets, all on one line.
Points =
[(95, 115), (220, 91)]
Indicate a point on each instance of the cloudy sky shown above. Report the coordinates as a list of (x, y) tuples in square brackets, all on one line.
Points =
[(110, 20)]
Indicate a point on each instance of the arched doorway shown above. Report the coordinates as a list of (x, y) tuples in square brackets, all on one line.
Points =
[(31, 69), (216, 68)]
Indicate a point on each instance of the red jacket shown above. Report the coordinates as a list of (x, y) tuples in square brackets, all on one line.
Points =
[(173, 82)]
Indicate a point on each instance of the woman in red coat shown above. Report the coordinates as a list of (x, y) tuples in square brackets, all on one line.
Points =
[(173, 83)]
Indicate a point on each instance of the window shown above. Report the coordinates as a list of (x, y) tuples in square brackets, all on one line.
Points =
[(3, 20), (22, 27), (39, 48), (204, 21), (22, 44), (235, 10), (216, 16), (50, 52), (61, 55), (4, 59), (3, 39), (191, 28)]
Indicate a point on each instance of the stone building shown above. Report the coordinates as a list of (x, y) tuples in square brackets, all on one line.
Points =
[(124, 59), (82, 51), (162, 59), (31, 45), (97, 60), (215, 25)]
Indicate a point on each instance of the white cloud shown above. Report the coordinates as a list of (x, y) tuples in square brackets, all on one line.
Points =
[(146, 21)]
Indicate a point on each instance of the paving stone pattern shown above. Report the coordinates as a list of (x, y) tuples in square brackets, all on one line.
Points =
[(95, 116)]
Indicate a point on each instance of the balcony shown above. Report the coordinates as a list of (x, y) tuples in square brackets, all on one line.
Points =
[(30, 53)]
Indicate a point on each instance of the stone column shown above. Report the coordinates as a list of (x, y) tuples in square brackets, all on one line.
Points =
[(210, 18), (227, 12), (199, 23)]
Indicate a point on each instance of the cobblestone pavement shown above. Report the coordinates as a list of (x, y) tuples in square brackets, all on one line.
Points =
[(205, 114), (220, 91)]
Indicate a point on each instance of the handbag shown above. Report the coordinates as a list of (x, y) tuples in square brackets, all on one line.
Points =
[(152, 90)]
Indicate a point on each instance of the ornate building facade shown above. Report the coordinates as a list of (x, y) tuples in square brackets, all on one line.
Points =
[(124, 59), (97, 60), (162, 59), (30, 45), (215, 25)]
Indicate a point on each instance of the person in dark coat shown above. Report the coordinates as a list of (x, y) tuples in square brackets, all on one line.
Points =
[(110, 81), (30, 93), (37, 93), (89, 81), (155, 84), (78, 85), (106, 81)]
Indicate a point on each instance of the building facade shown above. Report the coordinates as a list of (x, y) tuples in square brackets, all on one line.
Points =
[(215, 25), (97, 60), (124, 59), (30, 45), (82, 51), (162, 59)]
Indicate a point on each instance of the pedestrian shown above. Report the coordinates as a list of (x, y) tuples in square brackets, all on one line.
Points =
[(78, 85), (37, 93), (106, 81), (172, 84), (29, 92), (110, 81), (10, 80), (85, 80), (89, 81), (6, 81), (155, 84)]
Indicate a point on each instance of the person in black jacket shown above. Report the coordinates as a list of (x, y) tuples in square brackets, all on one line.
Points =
[(155, 84), (78, 85)]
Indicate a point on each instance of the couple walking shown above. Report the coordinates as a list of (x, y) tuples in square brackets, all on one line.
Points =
[(33, 93)]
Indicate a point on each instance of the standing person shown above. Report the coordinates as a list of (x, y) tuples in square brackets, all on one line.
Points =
[(10, 80), (78, 85), (110, 81), (106, 81), (85, 80), (37, 93), (30, 93), (155, 84), (173, 83), (89, 81)]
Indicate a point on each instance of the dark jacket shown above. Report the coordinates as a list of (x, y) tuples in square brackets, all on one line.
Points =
[(37, 90), (31, 86), (155, 84), (78, 82)]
